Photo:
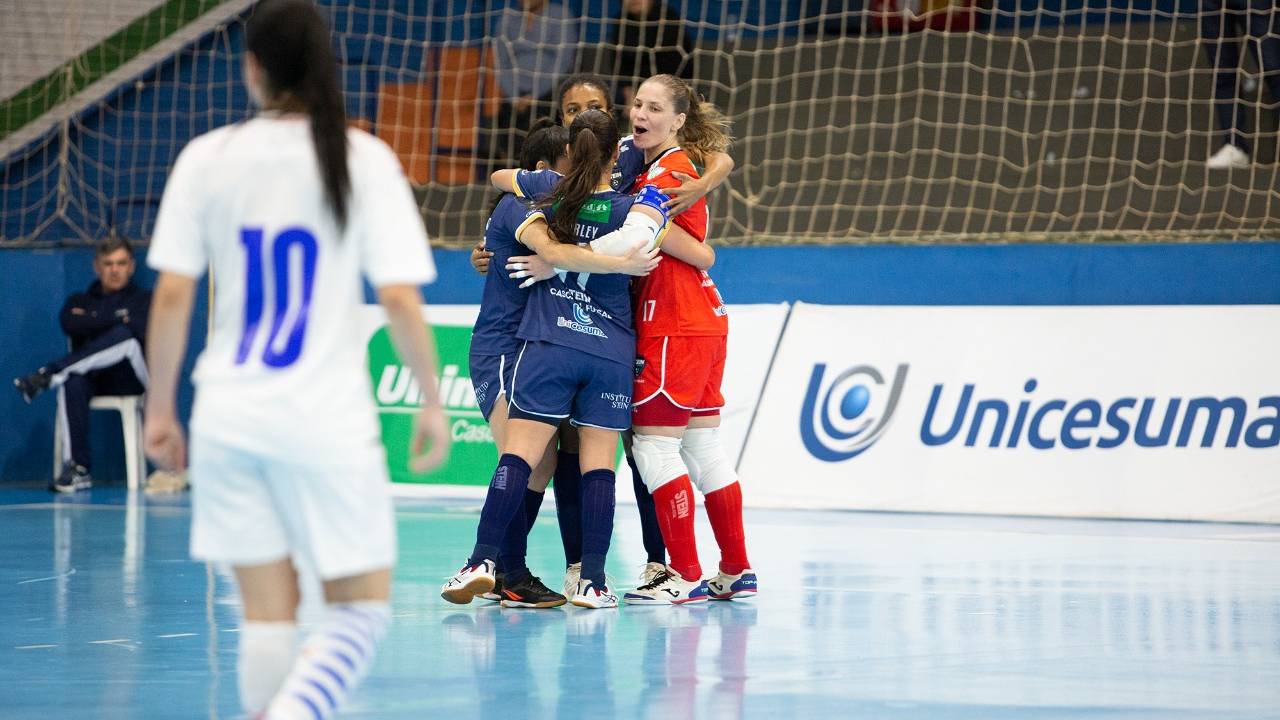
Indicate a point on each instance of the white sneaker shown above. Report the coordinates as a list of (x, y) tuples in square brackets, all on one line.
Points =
[(572, 575), (668, 589), (728, 587), (1228, 157), (590, 596), (651, 572), (470, 581)]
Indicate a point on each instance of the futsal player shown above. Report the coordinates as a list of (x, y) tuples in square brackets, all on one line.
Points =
[(576, 362), (290, 208), (494, 347), (682, 330)]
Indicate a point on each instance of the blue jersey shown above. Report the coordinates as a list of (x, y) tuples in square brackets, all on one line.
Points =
[(502, 305), (629, 166), (584, 311)]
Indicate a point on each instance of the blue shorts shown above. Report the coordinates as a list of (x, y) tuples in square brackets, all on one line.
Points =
[(490, 377), (551, 382)]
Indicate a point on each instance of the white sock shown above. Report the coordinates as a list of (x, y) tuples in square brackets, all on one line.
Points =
[(267, 650), (332, 662)]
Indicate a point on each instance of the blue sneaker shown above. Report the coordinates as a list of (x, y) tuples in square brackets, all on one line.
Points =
[(728, 587)]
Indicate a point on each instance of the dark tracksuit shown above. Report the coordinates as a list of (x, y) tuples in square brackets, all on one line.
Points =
[(1223, 25), (108, 333)]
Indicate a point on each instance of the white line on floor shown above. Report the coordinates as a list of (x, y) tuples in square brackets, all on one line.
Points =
[(177, 635), (32, 647), (68, 573)]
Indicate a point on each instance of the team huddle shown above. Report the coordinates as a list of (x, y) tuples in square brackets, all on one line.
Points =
[(569, 351), (290, 211)]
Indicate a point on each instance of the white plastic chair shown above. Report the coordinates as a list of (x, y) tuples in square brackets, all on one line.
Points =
[(130, 409)]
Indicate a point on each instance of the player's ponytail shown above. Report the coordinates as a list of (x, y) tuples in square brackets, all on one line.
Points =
[(706, 129), (291, 41), (593, 138)]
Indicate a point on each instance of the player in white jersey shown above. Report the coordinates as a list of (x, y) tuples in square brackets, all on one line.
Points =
[(291, 208)]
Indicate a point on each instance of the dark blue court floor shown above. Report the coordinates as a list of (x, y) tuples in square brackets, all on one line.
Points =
[(102, 615)]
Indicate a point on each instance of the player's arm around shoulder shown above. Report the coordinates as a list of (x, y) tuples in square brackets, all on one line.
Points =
[(536, 235)]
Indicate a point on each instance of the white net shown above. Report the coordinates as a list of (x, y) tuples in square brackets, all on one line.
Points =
[(1035, 124)]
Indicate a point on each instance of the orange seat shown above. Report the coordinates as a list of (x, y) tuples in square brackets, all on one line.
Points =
[(434, 126), (405, 123)]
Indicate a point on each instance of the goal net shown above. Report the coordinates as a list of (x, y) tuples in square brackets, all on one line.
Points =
[(877, 121)]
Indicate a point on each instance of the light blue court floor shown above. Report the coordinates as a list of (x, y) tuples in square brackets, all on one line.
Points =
[(102, 615)]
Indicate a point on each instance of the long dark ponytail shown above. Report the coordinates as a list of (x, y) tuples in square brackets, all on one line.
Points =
[(593, 137), (291, 41)]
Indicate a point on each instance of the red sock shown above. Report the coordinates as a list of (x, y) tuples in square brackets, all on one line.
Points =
[(724, 508), (674, 504)]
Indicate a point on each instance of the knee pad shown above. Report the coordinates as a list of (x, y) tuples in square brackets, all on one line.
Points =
[(709, 465), (658, 458)]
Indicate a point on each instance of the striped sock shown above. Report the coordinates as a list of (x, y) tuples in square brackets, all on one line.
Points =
[(332, 662), (267, 650)]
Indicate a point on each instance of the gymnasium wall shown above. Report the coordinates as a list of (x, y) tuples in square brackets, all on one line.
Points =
[(35, 283)]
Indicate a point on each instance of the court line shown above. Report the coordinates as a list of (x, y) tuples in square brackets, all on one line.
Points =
[(68, 573), (32, 647), (177, 635)]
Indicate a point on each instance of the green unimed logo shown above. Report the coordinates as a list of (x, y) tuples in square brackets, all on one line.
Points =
[(398, 396)]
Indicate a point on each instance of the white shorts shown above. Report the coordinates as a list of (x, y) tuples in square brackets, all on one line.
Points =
[(248, 510)]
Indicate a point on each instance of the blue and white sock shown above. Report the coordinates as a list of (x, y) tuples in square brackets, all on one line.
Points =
[(332, 662)]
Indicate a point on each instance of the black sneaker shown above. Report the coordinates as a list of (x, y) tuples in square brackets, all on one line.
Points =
[(32, 385), (530, 593), (495, 594), (73, 477)]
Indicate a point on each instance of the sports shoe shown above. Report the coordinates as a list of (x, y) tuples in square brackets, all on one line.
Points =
[(728, 587), (588, 595), (651, 571), (495, 594), (572, 575), (530, 593), (32, 385), (470, 581), (72, 478), (1228, 156), (668, 588)]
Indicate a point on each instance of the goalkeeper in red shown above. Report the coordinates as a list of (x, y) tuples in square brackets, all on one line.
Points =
[(682, 330)]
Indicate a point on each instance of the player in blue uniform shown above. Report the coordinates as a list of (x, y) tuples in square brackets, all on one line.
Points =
[(576, 361), (493, 349)]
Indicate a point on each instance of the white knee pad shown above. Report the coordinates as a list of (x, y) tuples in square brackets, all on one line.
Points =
[(658, 458), (709, 466)]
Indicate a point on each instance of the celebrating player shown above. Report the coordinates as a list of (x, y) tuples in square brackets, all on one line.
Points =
[(576, 361), (682, 329), (494, 346), (290, 208)]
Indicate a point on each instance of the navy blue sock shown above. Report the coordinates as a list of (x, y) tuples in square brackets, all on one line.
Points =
[(568, 490), (514, 548), (655, 549), (597, 522), (532, 504), (504, 500)]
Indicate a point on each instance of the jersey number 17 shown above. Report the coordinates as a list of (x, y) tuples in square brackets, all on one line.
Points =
[(282, 247)]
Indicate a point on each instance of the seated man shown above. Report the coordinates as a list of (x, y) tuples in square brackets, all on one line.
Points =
[(107, 326)]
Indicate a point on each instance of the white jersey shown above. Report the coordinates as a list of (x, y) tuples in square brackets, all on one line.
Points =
[(284, 372)]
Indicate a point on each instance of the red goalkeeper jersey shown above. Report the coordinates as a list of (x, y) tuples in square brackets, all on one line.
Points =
[(677, 298)]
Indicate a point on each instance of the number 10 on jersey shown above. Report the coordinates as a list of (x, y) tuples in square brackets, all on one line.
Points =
[(282, 248)]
